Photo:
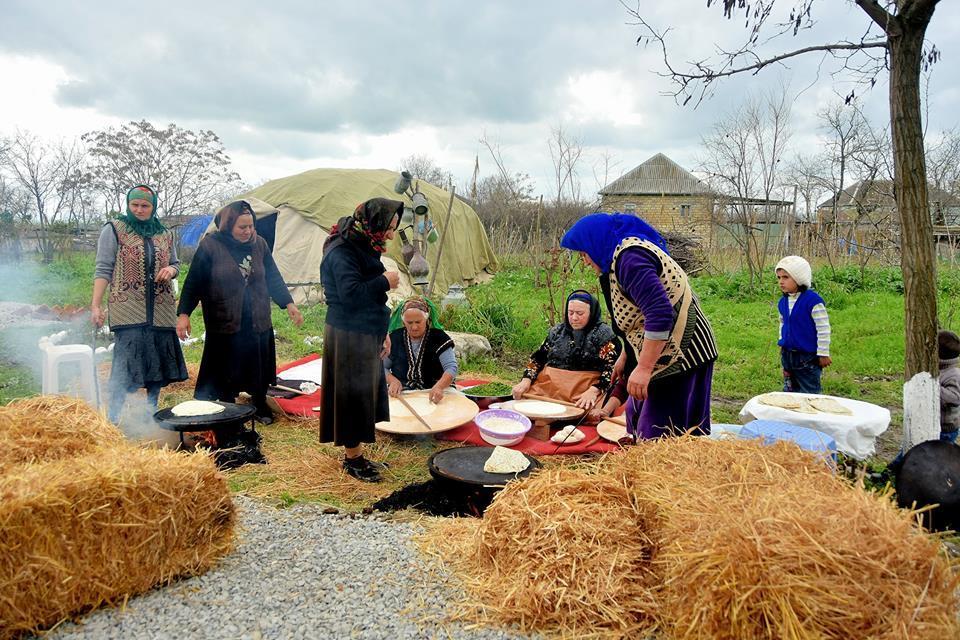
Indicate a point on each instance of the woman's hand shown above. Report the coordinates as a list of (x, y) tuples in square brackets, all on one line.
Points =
[(436, 393), (385, 350), (639, 382), (97, 315), (825, 362), (521, 388), (183, 326), (295, 316), (619, 365), (394, 387), (588, 398), (166, 274), (393, 278)]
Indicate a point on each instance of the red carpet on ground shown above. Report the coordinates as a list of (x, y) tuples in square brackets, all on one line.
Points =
[(468, 433)]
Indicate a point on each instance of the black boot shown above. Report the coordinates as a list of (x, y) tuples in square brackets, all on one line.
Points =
[(361, 469)]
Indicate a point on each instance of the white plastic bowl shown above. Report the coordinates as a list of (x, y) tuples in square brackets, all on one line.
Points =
[(499, 437)]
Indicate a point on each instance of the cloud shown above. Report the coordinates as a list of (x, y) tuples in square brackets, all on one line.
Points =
[(295, 85)]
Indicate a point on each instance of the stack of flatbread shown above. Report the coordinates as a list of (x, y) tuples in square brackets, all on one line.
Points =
[(802, 404)]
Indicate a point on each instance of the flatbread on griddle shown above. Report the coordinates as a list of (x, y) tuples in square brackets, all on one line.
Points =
[(192, 408)]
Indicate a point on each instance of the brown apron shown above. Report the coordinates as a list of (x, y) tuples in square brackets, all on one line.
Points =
[(561, 384)]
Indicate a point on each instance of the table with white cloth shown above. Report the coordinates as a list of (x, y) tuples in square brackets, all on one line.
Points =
[(854, 434)]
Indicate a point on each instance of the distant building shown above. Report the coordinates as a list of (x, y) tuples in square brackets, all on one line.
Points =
[(663, 193), (872, 202)]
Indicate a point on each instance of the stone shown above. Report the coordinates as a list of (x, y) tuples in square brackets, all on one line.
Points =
[(469, 344)]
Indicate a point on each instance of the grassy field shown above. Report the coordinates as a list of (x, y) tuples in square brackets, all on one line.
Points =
[(866, 312)]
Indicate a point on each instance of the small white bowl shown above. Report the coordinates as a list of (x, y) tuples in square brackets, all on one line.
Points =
[(499, 438)]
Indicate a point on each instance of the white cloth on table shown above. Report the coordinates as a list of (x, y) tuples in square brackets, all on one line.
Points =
[(855, 434)]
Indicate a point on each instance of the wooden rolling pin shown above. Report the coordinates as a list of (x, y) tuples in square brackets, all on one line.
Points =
[(290, 389), (414, 412)]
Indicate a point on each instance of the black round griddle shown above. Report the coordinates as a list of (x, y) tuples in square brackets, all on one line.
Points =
[(227, 423), (463, 467), (233, 414)]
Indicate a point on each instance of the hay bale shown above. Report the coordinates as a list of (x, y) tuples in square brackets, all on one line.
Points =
[(81, 532), (791, 561), (737, 540), (563, 551), (45, 428)]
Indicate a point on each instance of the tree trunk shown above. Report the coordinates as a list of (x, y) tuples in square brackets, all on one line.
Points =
[(916, 229)]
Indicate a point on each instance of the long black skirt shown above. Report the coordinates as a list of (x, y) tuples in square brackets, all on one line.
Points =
[(235, 362), (354, 387), (146, 356)]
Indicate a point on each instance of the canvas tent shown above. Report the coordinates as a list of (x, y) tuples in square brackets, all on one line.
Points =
[(300, 210)]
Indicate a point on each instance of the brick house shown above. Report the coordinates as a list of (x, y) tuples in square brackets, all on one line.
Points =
[(664, 194)]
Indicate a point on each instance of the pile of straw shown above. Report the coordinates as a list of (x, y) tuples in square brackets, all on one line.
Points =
[(51, 428), (80, 532), (728, 540)]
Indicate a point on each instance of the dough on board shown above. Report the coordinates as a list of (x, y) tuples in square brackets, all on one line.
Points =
[(504, 460), (420, 404), (568, 435), (197, 408), (539, 407)]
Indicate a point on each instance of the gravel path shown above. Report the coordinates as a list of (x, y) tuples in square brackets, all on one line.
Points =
[(296, 573)]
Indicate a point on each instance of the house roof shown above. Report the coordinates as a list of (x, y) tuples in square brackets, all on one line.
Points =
[(876, 193), (657, 176)]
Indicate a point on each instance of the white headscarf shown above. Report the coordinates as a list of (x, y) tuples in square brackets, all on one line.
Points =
[(798, 268)]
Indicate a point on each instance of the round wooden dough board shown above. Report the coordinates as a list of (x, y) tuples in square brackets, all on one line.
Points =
[(454, 410), (611, 431), (569, 413)]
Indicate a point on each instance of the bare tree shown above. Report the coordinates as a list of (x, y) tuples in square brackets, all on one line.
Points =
[(190, 170), (893, 39), (742, 161), (565, 153), (43, 171), (603, 169), (423, 167)]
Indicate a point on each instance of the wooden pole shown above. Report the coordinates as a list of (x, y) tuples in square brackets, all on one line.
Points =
[(443, 236)]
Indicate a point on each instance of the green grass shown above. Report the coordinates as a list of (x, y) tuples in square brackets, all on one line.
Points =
[(866, 311)]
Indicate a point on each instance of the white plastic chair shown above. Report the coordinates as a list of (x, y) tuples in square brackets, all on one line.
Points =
[(55, 355)]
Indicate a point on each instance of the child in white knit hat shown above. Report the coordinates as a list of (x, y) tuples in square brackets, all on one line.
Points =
[(804, 327)]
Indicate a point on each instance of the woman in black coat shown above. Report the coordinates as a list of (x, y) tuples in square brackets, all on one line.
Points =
[(234, 276), (355, 285)]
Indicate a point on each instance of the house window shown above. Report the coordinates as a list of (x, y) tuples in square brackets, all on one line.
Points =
[(629, 207), (684, 211)]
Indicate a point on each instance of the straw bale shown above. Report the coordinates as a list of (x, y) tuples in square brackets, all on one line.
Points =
[(82, 532), (51, 428), (793, 561), (738, 540), (563, 551)]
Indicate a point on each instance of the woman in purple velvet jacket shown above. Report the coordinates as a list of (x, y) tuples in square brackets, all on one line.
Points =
[(667, 367)]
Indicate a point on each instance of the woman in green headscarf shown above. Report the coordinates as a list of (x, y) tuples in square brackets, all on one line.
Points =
[(137, 259), (421, 354)]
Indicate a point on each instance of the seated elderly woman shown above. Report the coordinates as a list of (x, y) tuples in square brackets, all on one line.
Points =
[(575, 362), (421, 353)]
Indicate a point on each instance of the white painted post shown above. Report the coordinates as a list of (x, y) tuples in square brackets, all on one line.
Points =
[(921, 410)]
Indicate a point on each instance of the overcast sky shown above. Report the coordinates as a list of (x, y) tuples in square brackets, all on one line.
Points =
[(291, 86)]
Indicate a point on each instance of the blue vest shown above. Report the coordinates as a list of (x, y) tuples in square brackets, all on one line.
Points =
[(799, 330)]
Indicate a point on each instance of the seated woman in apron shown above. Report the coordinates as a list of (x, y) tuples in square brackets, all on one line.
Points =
[(575, 362), (421, 353)]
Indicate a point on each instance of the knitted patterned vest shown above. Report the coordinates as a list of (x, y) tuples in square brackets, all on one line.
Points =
[(691, 342), (135, 299)]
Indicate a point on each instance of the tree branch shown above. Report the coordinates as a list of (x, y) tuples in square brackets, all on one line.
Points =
[(884, 19), (849, 46)]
